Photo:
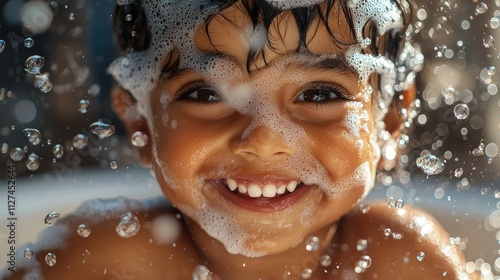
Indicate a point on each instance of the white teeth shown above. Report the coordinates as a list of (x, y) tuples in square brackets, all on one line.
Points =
[(231, 184), (281, 190), (242, 189), (254, 191), (269, 191), (291, 186)]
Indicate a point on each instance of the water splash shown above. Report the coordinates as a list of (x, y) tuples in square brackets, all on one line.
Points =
[(50, 259), (430, 164), (102, 130), (34, 136), (50, 219), (128, 226), (139, 139), (83, 230)]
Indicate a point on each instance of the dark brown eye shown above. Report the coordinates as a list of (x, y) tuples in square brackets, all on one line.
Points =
[(201, 95), (317, 95)]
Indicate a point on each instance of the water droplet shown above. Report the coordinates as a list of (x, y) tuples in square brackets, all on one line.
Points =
[(307, 273), (4, 148), (72, 16), (83, 106), (102, 130), (461, 111), (364, 208), (34, 136), (80, 141), (17, 154), (43, 83), (400, 203), (387, 232), (390, 202), (430, 164), (481, 8), (28, 253), (113, 165), (128, 226), (129, 17), (50, 259), (497, 193), (491, 70), (484, 191), (201, 272), (420, 256), (33, 162), (449, 94), (133, 33), (364, 263), (2, 45), (312, 243), (325, 260), (488, 41), (397, 236), (58, 151), (83, 230), (362, 245), (29, 42), (139, 139), (34, 64), (459, 172), (50, 219)]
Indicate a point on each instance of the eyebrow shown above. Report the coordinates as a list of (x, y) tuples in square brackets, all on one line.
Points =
[(332, 63)]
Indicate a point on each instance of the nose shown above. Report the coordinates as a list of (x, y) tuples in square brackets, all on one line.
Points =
[(263, 143)]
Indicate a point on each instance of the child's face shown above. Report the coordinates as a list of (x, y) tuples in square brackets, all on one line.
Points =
[(302, 119)]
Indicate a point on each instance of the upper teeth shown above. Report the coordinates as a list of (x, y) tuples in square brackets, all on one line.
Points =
[(255, 190)]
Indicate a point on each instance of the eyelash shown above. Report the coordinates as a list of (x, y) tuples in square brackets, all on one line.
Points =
[(339, 92), (190, 88)]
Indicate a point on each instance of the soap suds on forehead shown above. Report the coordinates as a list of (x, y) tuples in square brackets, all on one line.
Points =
[(173, 23)]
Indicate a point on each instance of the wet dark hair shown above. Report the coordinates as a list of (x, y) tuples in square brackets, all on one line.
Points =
[(261, 12)]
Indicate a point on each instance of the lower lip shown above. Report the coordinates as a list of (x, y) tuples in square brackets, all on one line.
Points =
[(262, 204)]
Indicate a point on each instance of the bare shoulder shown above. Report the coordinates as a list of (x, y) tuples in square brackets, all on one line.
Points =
[(151, 243), (405, 242)]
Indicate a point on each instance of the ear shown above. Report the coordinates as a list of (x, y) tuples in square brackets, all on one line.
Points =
[(393, 125), (125, 107)]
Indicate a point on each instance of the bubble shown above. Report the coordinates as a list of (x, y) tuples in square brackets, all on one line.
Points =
[(29, 42), (139, 139), (102, 130), (129, 17), (325, 260), (51, 218), (400, 203), (83, 230), (17, 154), (201, 272), (390, 202), (491, 70), (50, 259), (387, 232), (481, 8), (83, 106), (58, 151), (113, 165), (494, 22), (2, 45), (461, 111), (33, 162), (488, 41), (307, 273), (34, 136), (80, 141), (439, 193), (34, 64), (361, 245), (364, 263), (420, 256), (28, 253), (128, 226), (449, 94), (43, 83), (430, 164), (312, 243)]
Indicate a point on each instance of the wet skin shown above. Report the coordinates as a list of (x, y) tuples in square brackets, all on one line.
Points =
[(211, 141)]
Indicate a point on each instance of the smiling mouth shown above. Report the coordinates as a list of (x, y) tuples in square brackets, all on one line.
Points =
[(261, 195)]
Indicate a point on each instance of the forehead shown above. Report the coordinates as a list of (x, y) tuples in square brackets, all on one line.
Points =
[(233, 33)]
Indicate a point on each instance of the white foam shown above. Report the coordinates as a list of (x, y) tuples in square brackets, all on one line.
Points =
[(290, 4)]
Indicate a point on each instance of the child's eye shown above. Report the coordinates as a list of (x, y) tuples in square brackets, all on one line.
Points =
[(198, 92), (320, 94)]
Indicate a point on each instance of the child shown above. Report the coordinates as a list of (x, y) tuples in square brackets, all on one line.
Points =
[(264, 122)]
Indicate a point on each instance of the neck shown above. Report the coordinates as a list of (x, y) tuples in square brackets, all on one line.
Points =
[(290, 263)]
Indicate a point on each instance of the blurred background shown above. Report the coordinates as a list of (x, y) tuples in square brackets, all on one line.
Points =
[(74, 37)]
